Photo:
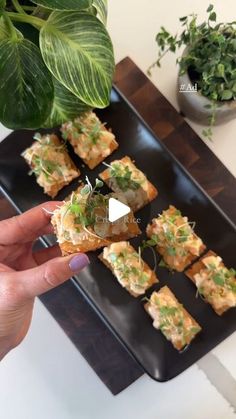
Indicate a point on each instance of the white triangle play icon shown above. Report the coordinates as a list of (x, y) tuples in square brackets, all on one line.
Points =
[(116, 210)]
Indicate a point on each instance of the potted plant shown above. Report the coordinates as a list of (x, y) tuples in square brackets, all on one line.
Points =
[(56, 61), (206, 88)]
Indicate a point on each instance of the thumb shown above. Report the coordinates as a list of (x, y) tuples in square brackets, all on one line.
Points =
[(36, 281), (5, 268)]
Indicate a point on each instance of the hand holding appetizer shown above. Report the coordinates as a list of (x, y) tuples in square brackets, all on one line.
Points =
[(81, 223), (168, 315), (128, 267), (51, 164), (124, 177), (174, 238), (26, 273), (91, 141), (214, 282)]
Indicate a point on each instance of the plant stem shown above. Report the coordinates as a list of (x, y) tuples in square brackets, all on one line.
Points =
[(17, 6), (10, 26), (33, 20), (157, 62)]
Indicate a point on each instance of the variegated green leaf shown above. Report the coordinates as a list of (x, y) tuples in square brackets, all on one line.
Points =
[(64, 4), (4, 31), (26, 88), (66, 106), (101, 7), (92, 10), (42, 12), (2, 4), (78, 51)]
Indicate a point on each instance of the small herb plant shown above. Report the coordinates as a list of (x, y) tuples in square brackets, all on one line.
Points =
[(210, 58), (56, 61)]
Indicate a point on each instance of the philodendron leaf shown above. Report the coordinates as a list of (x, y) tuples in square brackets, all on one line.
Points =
[(4, 30), (42, 12), (101, 7), (78, 51), (66, 106), (2, 5), (26, 88), (64, 4)]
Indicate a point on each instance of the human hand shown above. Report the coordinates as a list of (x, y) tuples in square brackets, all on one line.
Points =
[(24, 274)]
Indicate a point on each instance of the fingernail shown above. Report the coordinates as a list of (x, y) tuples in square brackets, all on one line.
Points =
[(79, 262)]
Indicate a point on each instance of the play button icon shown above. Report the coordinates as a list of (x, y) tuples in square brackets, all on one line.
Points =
[(117, 209)]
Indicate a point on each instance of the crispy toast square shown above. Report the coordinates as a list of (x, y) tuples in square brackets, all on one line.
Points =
[(169, 316), (90, 139), (51, 164), (214, 282), (124, 177), (175, 239), (128, 267)]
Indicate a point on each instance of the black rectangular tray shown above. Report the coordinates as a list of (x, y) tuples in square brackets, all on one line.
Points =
[(123, 314)]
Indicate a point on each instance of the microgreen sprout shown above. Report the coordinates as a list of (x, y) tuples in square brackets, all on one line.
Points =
[(47, 211), (146, 299), (149, 244), (83, 205), (40, 159), (37, 136), (222, 276), (88, 125), (107, 165)]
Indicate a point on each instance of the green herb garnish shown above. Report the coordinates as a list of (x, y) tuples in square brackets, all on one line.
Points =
[(194, 330), (95, 132), (123, 177), (222, 277), (85, 209), (150, 242), (91, 129), (121, 263), (219, 279), (171, 251), (168, 311)]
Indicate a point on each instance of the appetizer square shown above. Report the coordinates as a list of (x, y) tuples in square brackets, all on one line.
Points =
[(124, 177), (128, 267), (51, 164), (214, 282), (175, 239), (91, 141), (81, 224), (169, 316)]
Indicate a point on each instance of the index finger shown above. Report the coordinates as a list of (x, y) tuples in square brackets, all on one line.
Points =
[(29, 225)]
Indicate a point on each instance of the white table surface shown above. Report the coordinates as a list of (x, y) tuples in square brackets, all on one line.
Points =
[(46, 377)]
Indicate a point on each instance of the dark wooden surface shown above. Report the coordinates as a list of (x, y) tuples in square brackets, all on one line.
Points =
[(95, 342)]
